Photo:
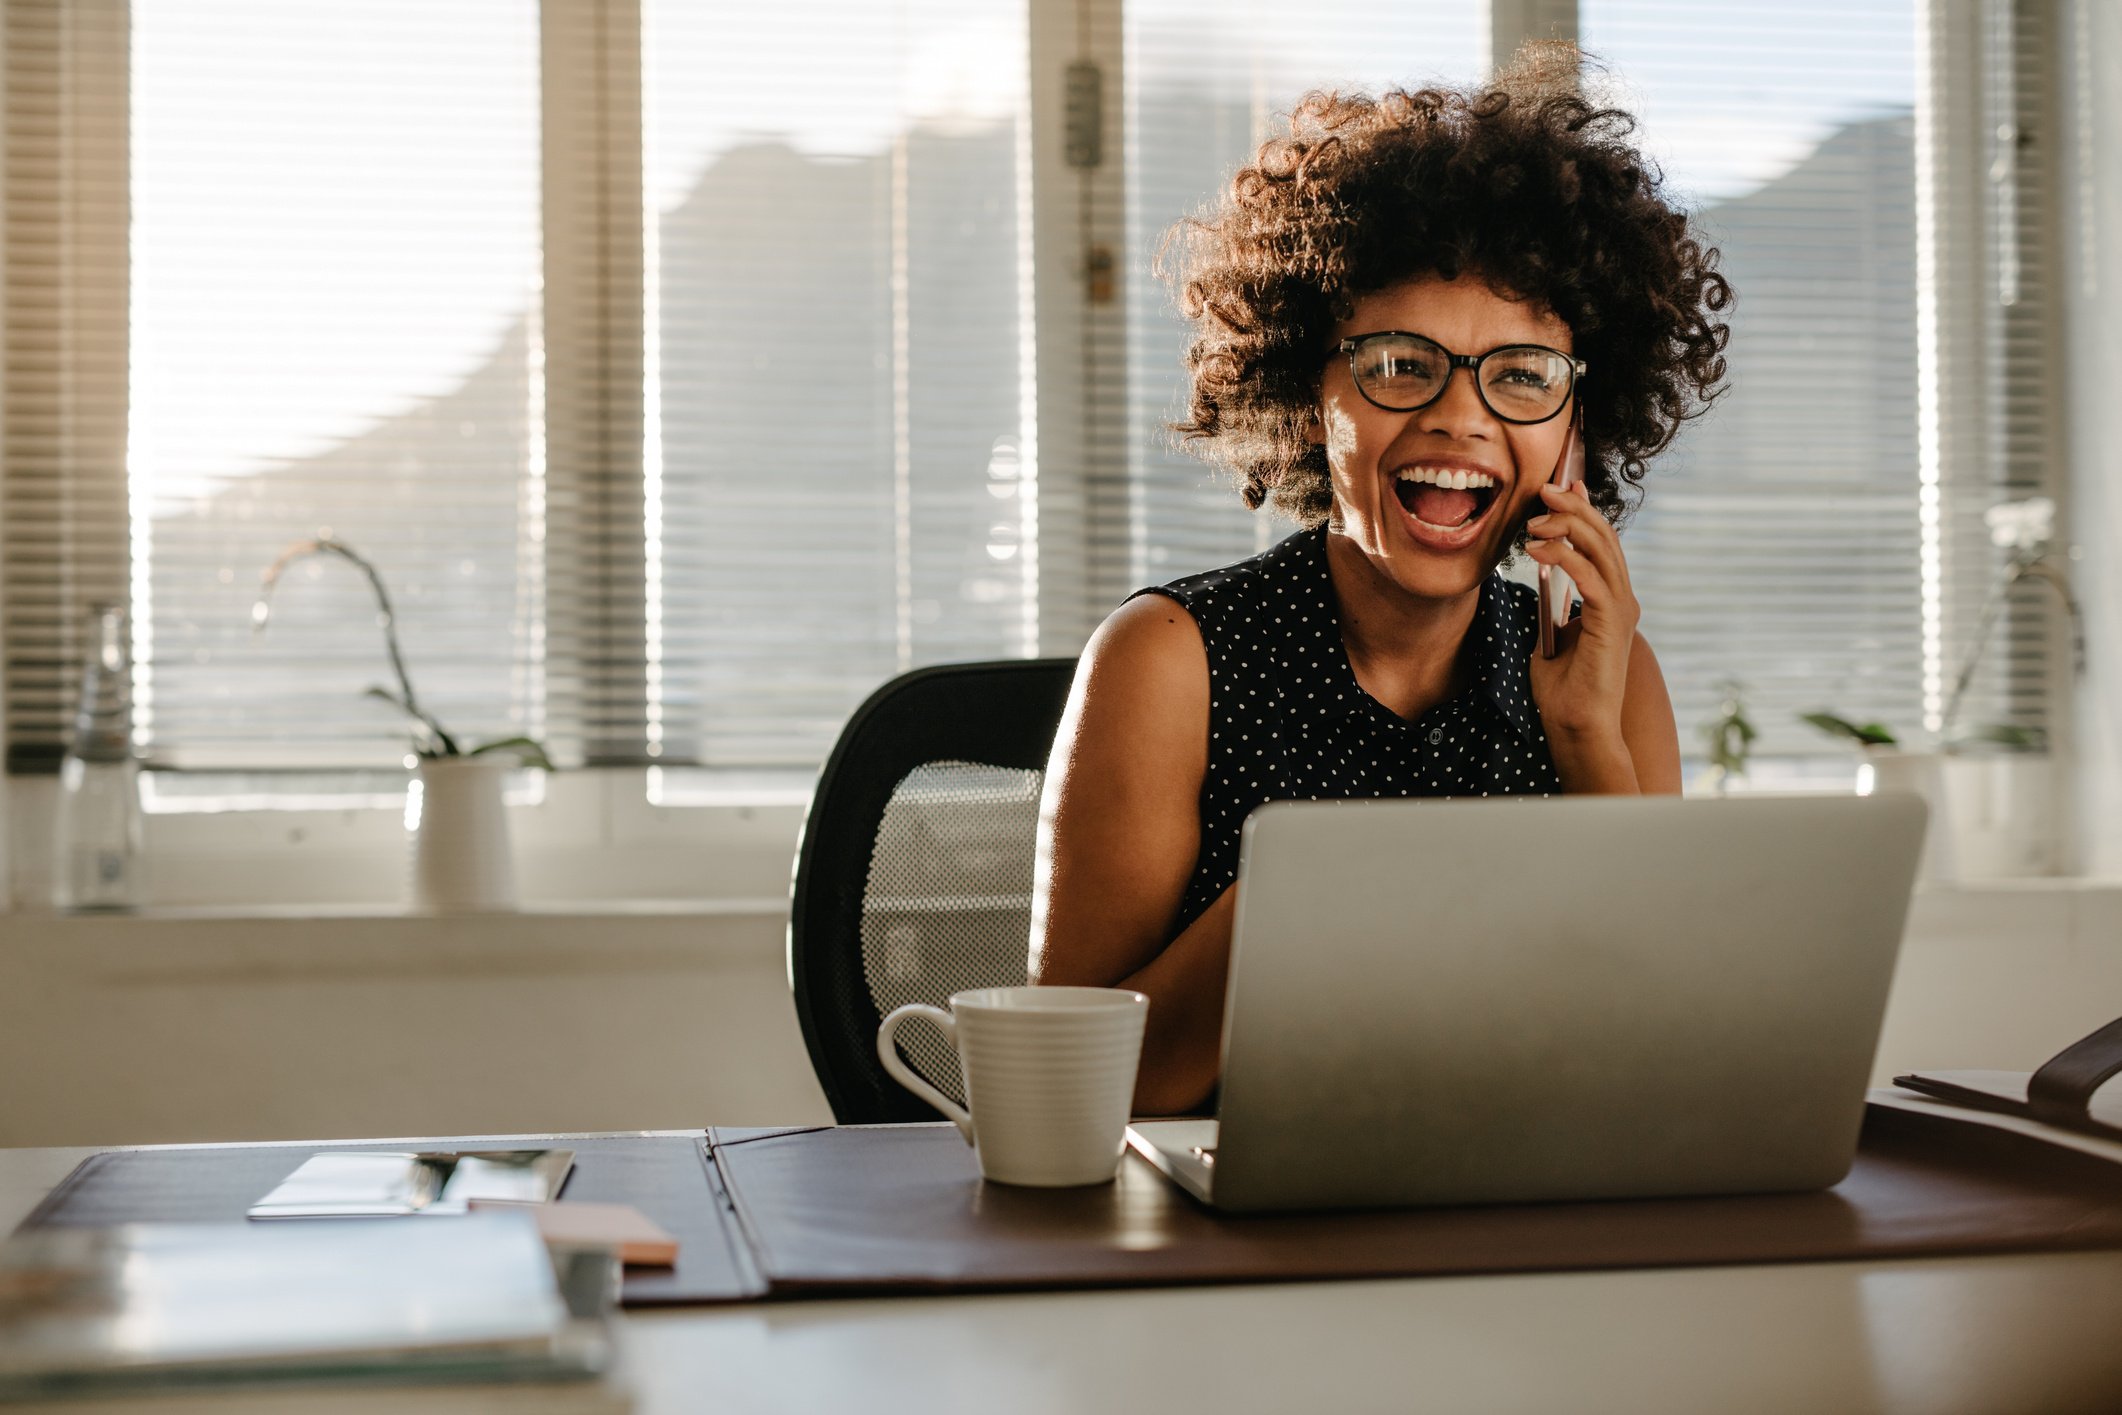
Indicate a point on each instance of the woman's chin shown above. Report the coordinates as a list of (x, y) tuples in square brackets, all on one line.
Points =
[(1430, 574), (1435, 581), (1438, 562)]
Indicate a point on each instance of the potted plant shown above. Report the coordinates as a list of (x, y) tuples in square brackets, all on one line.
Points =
[(1888, 768), (1989, 786), (1730, 735), (2003, 779), (454, 810)]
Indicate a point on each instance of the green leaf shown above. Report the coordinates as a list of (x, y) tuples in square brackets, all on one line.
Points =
[(1871, 734), (445, 745), (2006, 734), (527, 750)]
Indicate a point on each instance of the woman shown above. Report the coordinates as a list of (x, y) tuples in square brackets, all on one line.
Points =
[(1398, 311)]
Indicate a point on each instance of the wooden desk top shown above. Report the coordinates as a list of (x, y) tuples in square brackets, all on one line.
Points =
[(1940, 1335)]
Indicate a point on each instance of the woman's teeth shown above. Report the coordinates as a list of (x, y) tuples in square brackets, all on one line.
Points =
[(1444, 498), (1448, 478)]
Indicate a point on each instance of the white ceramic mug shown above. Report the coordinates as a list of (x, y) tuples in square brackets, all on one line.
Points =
[(1049, 1074)]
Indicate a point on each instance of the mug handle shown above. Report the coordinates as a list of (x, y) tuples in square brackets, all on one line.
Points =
[(888, 1053)]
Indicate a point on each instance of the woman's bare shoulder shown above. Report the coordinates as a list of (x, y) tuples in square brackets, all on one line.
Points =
[(1151, 634), (1146, 662)]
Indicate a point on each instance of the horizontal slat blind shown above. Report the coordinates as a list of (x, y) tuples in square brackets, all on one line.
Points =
[(836, 484), (334, 331), (594, 624), (2025, 664), (335, 247), (1779, 541), (681, 402), (64, 411), (1201, 98)]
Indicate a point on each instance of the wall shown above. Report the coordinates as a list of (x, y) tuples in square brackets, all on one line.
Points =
[(133, 1030), (172, 1028)]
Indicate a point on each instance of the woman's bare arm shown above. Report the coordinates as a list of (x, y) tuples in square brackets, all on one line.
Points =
[(1643, 756), (1119, 831), (1647, 724)]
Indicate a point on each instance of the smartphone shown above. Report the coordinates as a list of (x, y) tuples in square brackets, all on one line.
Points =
[(1557, 594)]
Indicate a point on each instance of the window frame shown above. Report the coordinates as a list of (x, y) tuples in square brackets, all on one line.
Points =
[(591, 109)]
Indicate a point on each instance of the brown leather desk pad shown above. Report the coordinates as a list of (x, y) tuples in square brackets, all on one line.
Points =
[(667, 1177), (902, 1209)]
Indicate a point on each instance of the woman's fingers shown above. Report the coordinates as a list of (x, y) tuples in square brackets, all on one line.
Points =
[(1599, 599), (1573, 516)]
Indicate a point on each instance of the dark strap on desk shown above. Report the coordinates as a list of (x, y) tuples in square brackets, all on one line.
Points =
[(2059, 1094)]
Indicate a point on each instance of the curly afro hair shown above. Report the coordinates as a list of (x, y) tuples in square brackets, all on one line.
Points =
[(1522, 183)]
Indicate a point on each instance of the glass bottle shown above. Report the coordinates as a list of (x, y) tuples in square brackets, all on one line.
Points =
[(99, 861)]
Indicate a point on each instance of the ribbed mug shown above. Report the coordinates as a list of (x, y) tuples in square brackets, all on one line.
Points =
[(1049, 1074)]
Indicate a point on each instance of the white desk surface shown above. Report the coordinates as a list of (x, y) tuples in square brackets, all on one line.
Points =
[(2017, 1334)]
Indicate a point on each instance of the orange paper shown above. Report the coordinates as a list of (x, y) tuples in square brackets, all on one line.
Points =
[(639, 1240)]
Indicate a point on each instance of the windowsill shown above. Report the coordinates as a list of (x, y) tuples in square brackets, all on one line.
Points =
[(2029, 884), (592, 838), (590, 910), (592, 847), (545, 914), (278, 946)]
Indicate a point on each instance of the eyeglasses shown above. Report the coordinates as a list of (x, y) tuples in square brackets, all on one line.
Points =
[(1403, 373)]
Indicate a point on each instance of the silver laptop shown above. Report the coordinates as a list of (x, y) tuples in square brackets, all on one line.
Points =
[(1495, 1001)]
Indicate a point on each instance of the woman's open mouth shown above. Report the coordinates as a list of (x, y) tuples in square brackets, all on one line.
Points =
[(1445, 505)]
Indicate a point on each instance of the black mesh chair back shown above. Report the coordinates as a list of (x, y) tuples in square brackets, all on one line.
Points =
[(914, 877)]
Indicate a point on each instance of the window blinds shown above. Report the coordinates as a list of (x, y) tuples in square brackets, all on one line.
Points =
[(591, 639), (836, 460), (2013, 316), (63, 416), (333, 332), (1783, 541), (673, 370)]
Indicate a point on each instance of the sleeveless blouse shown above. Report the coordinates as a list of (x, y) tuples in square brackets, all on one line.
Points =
[(1287, 719)]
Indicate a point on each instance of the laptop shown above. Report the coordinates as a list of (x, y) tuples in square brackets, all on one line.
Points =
[(1514, 1001)]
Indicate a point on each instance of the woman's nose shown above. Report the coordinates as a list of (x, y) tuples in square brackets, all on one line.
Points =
[(1458, 411)]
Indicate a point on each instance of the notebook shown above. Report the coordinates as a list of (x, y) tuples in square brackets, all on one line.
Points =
[(136, 1307)]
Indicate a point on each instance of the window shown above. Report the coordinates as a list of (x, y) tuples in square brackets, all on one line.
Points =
[(333, 331), (687, 374), (839, 480), (1819, 536), (1780, 544)]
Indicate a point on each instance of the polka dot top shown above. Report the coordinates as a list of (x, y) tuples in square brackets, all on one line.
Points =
[(1287, 719)]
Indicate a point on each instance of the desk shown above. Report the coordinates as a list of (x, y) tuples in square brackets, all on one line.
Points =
[(1938, 1335)]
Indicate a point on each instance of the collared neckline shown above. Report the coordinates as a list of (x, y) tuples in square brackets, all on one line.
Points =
[(1500, 640)]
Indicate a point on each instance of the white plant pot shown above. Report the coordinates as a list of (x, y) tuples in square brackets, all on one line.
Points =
[(461, 857), (1992, 816), (2003, 815), (1922, 774)]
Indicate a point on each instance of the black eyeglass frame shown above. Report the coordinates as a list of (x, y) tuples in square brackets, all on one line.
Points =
[(1453, 363)]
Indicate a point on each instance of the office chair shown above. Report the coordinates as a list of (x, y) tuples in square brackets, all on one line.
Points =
[(913, 880)]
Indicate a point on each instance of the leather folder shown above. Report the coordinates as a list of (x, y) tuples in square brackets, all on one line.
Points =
[(902, 1209), (873, 1210), (2061, 1093)]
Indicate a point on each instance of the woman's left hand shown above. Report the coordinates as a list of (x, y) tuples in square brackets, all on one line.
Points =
[(1580, 690)]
